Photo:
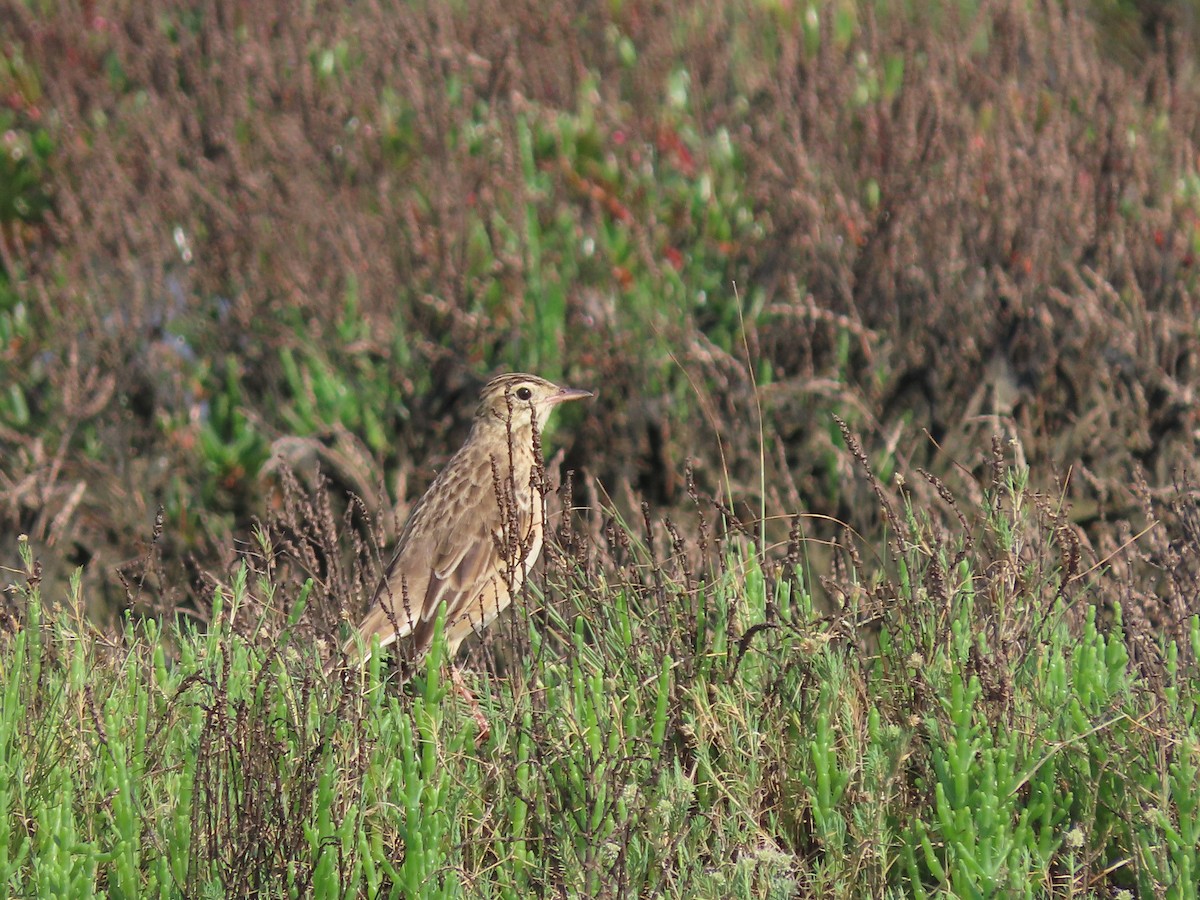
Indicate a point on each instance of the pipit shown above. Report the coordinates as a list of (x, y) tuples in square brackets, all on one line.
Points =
[(472, 538)]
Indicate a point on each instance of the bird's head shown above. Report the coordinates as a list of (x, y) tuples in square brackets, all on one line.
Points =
[(518, 400)]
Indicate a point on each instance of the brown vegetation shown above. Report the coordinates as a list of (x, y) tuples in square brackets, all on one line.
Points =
[(957, 225)]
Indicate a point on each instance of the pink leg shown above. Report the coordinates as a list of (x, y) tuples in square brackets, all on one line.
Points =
[(485, 727)]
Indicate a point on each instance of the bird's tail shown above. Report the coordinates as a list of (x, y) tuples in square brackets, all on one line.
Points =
[(356, 651)]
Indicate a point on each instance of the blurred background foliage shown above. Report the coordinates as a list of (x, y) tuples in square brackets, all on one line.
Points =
[(232, 233)]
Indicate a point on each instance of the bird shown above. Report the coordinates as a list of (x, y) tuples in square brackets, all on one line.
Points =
[(471, 540)]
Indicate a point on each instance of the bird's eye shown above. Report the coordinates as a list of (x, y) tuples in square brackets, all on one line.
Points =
[(524, 393)]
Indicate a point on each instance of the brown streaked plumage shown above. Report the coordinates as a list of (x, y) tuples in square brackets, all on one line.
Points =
[(473, 537)]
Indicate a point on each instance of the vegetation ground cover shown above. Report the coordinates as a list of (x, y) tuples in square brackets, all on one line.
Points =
[(878, 569)]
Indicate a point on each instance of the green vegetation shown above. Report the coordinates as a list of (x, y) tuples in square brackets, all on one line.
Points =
[(660, 732)]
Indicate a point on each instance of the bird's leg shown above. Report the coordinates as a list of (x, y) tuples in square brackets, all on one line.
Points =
[(485, 727)]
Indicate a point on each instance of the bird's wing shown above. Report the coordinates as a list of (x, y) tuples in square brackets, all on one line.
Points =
[(445, 554), (475, 554)]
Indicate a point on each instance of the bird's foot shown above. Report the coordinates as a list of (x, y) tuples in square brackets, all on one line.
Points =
[(481, 721)]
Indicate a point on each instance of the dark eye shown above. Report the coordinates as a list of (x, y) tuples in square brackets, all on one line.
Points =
[(524, 393)]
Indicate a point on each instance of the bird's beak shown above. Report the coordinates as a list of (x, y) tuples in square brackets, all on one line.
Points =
[(565, 393)]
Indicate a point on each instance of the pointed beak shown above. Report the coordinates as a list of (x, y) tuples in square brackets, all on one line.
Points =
[(565, 394)]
